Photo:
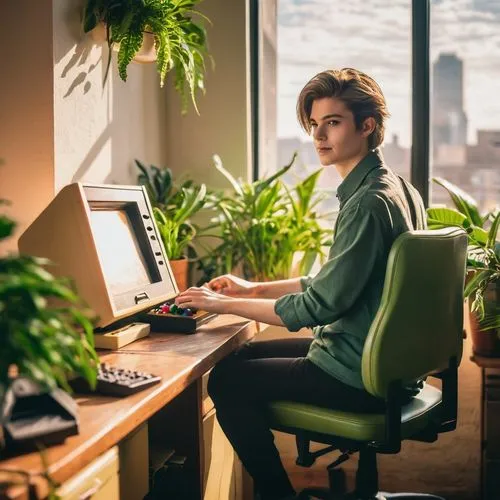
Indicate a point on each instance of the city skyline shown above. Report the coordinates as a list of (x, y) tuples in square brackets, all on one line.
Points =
[(307, 32)]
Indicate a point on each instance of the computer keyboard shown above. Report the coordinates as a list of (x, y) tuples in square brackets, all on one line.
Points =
[(116, 381)]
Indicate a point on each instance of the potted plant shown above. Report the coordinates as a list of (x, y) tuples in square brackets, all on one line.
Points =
[(41, 340), (179, 42), (263, 225), (173, 208), (482, 289)]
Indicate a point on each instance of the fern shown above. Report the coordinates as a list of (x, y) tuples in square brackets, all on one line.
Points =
[(180, 43), (129, 46)]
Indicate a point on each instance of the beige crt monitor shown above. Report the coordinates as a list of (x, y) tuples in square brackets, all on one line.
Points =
[(105, 238)]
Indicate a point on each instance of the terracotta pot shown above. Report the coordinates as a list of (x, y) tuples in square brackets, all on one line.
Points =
[(180, 270), (484, 343)]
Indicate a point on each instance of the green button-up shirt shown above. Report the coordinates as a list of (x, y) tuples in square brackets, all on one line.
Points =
[(341, 301)]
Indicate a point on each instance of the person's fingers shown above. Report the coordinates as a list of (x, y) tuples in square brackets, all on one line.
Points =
[(218, 281), (193, 294), (221, 282), (182, 299)]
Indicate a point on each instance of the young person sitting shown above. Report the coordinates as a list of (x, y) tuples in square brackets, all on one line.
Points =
[(345, 112)]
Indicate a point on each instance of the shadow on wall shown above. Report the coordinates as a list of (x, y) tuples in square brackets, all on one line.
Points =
[(71, 17), (102, 128), (92, 154)]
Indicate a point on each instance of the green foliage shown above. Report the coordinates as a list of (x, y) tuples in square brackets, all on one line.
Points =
[(483, 250), (464, 203), (180, 42), (263, 224), (45, 342), (173, 207), (158, 183), (177, 232)]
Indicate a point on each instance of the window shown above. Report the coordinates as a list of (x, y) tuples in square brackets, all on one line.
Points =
[(465, 118), (313, 35)]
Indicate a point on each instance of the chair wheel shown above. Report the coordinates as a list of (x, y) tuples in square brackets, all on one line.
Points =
[(337, 481)]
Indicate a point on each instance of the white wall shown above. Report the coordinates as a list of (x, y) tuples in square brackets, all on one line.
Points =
[(100, 130), (223, 126), (57, 123)]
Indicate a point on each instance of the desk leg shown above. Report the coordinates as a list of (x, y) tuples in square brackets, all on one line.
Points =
[(225, 476), (178, 426)]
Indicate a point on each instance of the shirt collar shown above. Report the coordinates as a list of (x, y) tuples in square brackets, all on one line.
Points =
[(357, 175)]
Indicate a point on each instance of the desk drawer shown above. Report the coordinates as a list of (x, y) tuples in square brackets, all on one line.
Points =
[(98, 481)]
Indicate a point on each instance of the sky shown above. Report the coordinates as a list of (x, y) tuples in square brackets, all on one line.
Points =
[(375, 37)]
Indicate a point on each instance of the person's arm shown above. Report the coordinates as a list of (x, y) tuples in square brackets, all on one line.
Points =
[(276, 289), (208, 300), (234, 286), (358, 247), (258, 309)]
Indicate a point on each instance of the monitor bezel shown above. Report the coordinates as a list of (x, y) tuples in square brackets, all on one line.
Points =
[(117, 198)]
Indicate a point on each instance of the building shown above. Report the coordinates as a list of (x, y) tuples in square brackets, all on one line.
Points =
[(449, 121), (397, 157)]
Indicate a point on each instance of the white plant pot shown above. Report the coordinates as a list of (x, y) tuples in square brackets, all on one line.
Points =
[(146, 53)]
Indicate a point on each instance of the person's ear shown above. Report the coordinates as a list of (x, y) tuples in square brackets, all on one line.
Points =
[(368, 126)]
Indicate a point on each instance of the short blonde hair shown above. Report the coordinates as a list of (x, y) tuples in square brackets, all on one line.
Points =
[(359, 92)]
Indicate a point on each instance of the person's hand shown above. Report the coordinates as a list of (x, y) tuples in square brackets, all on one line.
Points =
[(232, 286), (203, 298)]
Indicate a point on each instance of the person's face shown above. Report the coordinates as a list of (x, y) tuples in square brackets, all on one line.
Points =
[(334, 132)]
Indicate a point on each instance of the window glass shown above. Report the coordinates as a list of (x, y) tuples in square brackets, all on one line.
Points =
[(465, 128), (373, 36)]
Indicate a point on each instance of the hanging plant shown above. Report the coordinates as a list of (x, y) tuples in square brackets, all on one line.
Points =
[(180, 42)]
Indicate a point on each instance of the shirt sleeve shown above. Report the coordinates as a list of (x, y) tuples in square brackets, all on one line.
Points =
[(305, 281), (357, 247)]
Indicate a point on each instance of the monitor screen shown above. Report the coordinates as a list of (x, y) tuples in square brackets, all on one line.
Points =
[(124, 265)]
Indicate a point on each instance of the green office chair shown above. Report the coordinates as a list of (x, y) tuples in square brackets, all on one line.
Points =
[(417, 333)]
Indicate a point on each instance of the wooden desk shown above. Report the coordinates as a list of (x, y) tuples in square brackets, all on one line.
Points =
[(490, 426), (104, 421)]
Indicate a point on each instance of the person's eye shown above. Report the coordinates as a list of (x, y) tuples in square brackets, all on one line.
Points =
[(313, 125), (333, 123)]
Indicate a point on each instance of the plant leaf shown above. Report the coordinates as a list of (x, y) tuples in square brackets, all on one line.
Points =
[(464, 203), (218, 165), (493, 232), (444, 217)]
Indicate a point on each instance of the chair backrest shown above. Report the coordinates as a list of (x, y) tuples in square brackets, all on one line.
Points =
[(418, 326)]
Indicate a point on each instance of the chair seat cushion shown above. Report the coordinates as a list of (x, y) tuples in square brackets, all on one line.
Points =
[(415, 416)]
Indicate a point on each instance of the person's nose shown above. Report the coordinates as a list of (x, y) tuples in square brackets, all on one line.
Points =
[(319, 133)]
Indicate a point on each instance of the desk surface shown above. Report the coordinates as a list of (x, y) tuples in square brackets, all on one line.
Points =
[(104, 421)]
